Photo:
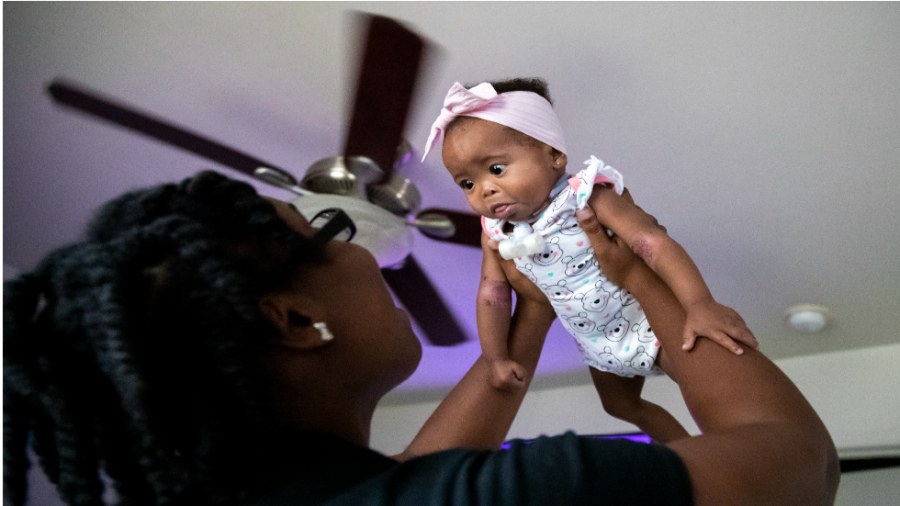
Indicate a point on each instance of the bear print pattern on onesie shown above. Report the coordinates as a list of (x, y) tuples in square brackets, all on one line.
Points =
[(608, 325), (526, 270)]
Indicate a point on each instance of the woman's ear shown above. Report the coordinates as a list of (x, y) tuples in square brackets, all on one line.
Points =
[(297, 326)]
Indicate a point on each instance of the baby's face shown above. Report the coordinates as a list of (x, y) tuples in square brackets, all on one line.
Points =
[(503, 177)]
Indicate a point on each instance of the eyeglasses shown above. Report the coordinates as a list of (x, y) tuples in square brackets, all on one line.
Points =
[(333, 224)]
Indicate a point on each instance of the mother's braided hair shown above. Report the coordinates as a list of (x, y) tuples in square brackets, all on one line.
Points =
[(133, 350)]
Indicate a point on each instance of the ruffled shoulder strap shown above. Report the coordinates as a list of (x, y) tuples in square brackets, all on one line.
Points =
[(493, 228), (596, 172)]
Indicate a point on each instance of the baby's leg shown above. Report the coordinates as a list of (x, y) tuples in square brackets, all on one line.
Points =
[(621, 398)]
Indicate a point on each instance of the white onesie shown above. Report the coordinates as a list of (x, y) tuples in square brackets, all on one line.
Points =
[(608, 324)]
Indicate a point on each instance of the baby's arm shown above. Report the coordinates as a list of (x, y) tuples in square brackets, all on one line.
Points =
[(705, 316), (475, 414), (494, 312)]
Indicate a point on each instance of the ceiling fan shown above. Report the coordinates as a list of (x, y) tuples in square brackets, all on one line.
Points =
[(366, 181)]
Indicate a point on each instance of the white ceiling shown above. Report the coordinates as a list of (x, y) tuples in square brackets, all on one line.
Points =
[(765, 136)]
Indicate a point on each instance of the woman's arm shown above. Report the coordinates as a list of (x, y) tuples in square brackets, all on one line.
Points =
[(639, 230), (762, 442), (475, 414)]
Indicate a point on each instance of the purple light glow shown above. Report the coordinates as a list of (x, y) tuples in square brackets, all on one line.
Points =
[(637, 437)]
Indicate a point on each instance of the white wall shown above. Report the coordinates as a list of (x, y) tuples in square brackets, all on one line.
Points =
[(870, 488)]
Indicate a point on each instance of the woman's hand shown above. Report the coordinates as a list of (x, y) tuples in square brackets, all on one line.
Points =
[(614, 256)]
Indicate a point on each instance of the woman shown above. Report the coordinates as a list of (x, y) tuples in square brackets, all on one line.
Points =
[(197, 347)]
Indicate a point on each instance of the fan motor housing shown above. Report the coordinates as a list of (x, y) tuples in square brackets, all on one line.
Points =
[(342, 175)]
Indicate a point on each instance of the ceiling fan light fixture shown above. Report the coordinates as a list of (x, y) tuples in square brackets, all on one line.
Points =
[(399, 195), (435, 225), (280, 179), (386, 236), (341, 175)]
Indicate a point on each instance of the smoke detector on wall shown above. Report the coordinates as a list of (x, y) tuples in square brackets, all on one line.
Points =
[(808, 318)]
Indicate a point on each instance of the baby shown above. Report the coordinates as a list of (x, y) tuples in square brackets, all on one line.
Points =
[(504, 147)]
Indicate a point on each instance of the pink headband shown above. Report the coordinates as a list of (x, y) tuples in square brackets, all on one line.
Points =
[(524, 111)]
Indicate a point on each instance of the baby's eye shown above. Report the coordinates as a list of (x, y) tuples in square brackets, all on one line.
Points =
[(467, 184), (497, 169)]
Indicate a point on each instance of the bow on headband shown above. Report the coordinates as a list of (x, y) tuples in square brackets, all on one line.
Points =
[(524, 111)]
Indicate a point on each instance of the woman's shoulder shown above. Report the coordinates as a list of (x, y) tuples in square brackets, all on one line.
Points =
[(313, 467)]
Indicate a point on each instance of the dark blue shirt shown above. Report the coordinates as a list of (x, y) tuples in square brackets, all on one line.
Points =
[(562, 470)]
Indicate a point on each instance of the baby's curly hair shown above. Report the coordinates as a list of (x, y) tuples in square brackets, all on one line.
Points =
[(532, 84), (133, 351)]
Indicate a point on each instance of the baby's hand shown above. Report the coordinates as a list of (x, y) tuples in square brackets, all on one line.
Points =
[(719, 323), (507, 375)]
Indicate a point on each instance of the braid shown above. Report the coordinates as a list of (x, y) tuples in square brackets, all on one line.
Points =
[(15, 437), (21, 297), (132, 351)]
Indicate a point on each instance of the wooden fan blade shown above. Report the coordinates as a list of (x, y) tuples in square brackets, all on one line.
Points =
[(426, 307), (93, 103), (468, 227), (384, 91)]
